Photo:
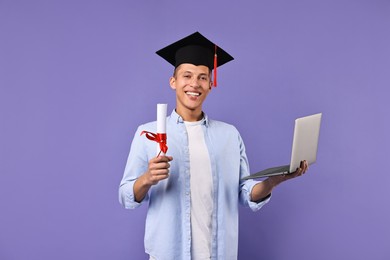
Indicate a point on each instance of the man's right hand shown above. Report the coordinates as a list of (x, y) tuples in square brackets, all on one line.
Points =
[(158, 169)]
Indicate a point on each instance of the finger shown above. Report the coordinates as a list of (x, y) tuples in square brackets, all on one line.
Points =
[(306, 166), (160, 165), (157, 163), (163, 166), (299, 171), (160, 172), (161, 158), (303, 166), (156, 178)]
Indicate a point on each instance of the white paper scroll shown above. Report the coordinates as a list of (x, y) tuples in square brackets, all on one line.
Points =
[(161, 121), (161, 118)]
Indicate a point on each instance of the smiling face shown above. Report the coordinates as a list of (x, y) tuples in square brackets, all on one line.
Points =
[(192, 85)]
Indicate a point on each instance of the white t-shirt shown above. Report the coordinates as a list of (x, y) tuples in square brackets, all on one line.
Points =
[(201, 183)]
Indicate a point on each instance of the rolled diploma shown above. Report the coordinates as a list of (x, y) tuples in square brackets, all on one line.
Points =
[(161, 121)]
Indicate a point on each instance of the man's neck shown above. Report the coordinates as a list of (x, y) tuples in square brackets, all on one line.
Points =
[(190, 116)]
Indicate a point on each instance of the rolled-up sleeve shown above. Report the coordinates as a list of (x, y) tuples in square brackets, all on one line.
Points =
[(247, 186), (246, 189), (136, 165)]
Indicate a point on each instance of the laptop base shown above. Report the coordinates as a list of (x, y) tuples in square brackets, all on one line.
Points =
[(280, 170)]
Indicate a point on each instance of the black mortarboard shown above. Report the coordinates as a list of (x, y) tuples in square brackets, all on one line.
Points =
[(198, 50)]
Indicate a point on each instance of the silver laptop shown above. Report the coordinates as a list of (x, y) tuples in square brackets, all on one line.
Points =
[(305, 146)]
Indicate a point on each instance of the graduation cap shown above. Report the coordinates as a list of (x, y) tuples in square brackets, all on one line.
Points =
[(197, 50)]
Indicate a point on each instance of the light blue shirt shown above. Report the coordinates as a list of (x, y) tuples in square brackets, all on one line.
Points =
[(168, 230)]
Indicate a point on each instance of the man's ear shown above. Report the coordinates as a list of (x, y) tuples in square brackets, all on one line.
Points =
[(211, 85), (172, 82)]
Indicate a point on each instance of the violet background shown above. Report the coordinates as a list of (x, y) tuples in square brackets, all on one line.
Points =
[(78, 77)]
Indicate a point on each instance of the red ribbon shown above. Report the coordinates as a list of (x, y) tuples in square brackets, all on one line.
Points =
[(161, 139), (215, 67)]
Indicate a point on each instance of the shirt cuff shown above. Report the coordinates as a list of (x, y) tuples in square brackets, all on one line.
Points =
[(127, 197), (256, 205)]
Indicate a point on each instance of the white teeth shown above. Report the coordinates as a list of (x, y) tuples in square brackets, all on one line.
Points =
[(192, 93)]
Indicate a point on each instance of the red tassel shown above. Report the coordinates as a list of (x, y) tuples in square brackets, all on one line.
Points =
[(215, 67)]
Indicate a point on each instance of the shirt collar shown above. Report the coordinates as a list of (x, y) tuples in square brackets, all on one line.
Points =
[(175, 117)]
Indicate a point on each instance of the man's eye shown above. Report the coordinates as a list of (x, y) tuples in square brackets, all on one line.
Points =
[(204, 78)]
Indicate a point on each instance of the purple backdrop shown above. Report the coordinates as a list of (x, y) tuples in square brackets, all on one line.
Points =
[(77, 77)]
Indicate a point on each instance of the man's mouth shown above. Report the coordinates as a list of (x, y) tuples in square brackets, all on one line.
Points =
[(193, 94)]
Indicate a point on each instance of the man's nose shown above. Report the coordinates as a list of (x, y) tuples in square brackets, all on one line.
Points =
[(194, 82)]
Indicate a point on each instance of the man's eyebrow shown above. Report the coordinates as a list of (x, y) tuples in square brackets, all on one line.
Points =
[(199, 75)]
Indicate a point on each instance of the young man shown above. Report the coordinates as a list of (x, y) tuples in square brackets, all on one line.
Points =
[(193, 192)]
